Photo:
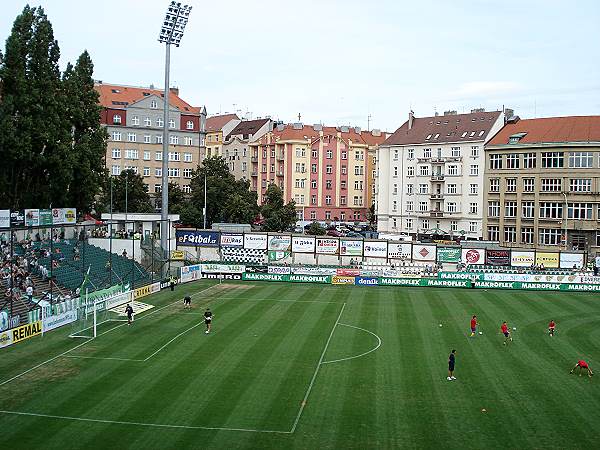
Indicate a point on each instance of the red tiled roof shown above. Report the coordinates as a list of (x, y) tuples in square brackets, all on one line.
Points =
[(449, 128), (372, 140), (248, 127), (117, 96), (216, 123), (307, 132), (551, 130)]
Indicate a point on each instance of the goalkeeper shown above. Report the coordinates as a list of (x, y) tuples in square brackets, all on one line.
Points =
[(129, 312)]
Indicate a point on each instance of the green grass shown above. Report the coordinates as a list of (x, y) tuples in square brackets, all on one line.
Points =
[(248, 379)]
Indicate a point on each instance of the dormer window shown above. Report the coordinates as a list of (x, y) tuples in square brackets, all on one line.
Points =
[(482, 132), (437, 135), (117, 119), (471, 134), (515, 138), (428, 137), (464, 134), (190, 125)]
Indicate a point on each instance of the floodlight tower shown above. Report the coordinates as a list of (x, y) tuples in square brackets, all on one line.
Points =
[(171, 32)]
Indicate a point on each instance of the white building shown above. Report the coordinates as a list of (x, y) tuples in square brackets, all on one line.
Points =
[(430, 174)]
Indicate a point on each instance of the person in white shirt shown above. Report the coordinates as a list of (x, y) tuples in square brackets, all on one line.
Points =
[(29, 292)]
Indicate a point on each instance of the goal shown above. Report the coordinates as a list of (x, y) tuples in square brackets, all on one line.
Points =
[(95, 315)]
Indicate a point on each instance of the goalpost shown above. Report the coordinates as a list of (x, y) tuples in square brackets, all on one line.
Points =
[(93, 314)]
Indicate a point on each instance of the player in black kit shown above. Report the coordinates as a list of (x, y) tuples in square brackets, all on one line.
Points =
[(129, 312), (187, 301), (207, 319)]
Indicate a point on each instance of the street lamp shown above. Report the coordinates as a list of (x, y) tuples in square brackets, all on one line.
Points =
[(171, 32)]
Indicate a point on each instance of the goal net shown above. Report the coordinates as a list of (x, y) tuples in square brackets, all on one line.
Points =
[(93, 316)]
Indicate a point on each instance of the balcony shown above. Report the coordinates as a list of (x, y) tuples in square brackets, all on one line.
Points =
[(437, 160), (437, 196), (437, 177), (422, 160), (453, 159), (254, 173), (436, 213), (254, 159)]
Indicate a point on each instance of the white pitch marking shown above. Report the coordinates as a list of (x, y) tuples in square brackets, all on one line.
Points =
[(100, 357), (180, 334), (362, 354), (312, 381), (142, 424), (107, 331)]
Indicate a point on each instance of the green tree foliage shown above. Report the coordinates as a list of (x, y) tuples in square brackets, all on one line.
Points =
[(228, 200), (316, 229), (130, 185), (51, 143), (278, 215)]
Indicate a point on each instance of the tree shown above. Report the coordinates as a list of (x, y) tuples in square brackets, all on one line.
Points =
[(176, 198), (371, 215), (278, 215), (88, 136), (130, 186), (316, 229)]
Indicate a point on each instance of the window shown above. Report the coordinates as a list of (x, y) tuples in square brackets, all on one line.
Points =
[(510, 234), (581, 160), (580, 210), (146, 155), (146, 171), (423, 207), (552, 160), (187, 173), (344, 170), (329, 154), (116, 153), (473, 189), (395, 190), (411, 153), (358, 170), (358, 155), (327, 215), (551, 210), (357, 200), (529, 163), (157, 188), (131, 154), (511, 185), (300, 182), (426, 153), (244, 166), (452, 170), (473, 208), (189, 125), (131, 137), (455, 151), (187, 157), (581, 185), (342, 200), (158, 156), (174, 156), (494, 209), (474, 170), (358, 185), (512, 161), (190, 141), (159, 139), (313, 168), (493, 233), (313, 215), (313, 184), (314, 154), (116, 170), (510, 209), (395, 154), (551, 184), (394, 206), (527, 210), (452, 189), (495, 162), (423, 189), (474, 151), (425, 224), (451, 207), (527, 235), (135, 120), (409, 224), (409, 206), (528, 184), (424, 171), (472, 227), (147, 139), (409, 189), (159, 122), (329, 168), (171, 123), (173, 140), (116, 135), (453, 225), (153, 104), (117, 119), (549, 236), (328, 184), (410, 171), (395, 171), (494, 184), (174, 172), (187, 189), (272, 168), (157, 172)]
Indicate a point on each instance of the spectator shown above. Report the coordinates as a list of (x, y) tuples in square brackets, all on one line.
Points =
[(124, 254), (29, 292)]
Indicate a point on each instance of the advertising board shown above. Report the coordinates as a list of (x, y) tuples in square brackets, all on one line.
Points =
[(351, 247), (448, 254), (423, 252), (255, 241), (222, 268), (197, 238), (4, 218), (58, 320), (400, 250), (342, 280), (279, 242), (522, 258), (327, 246), (303, 244), (285, 270), (375, 249), (232, 240), (571, 260), (497, 257), (190, 273), (547, 259)]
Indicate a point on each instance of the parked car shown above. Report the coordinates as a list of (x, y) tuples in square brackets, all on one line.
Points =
[(334, 233), (354, 234)]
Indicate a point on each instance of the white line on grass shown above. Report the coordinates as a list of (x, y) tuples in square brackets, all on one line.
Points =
[(107, 331), (362, 354), (101, 357), (142, 424), (312, 381)]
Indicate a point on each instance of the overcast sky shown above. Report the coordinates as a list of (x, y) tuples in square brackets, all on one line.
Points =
[(339, 61)]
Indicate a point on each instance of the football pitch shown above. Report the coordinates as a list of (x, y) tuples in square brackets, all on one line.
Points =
[(312, 366)]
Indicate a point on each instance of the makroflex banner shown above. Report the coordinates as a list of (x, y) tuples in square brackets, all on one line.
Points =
[(375, 249), (197, 238), (497, 257), (522, 258), (473, 256), (327, 246), (547, 259), (397, 250), (448, 254), (351, 247), (423, 252), (279, 242), (232, 240), (571, 260), (303, 244), (255, 241)]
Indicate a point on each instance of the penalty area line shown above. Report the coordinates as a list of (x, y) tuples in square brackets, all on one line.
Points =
[(141, 424)]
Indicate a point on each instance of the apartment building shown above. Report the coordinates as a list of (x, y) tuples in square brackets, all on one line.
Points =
[(134, 117), (235, 148), (430, 173), (217, 127), (542, 183), (323, 169)]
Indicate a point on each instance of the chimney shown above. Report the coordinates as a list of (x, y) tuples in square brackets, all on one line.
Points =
[(174, 90), (411, 117)]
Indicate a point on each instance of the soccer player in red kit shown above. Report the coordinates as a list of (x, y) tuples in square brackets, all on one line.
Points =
[(583, 365), (473, 325), (506, 333), (551, 327)]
